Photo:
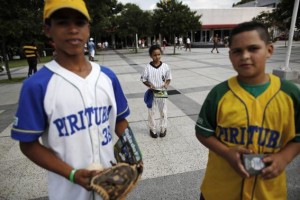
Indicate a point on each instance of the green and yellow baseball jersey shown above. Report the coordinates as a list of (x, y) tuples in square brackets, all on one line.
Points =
[(264, 124)]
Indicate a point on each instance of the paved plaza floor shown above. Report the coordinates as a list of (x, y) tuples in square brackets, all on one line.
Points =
[(175, 164)]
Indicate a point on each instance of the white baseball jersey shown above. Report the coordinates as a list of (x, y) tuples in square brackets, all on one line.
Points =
[(156, 75), (75, 117)]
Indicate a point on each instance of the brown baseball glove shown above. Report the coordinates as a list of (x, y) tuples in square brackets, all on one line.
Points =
[(116, 182)]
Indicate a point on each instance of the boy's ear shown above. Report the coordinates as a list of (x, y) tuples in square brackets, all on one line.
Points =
[(47, 30), (270, 49)]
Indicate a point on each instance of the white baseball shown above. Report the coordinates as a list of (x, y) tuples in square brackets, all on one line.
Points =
[(95, 166)]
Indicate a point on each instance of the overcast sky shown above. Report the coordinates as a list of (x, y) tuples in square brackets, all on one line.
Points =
[(193, 4)]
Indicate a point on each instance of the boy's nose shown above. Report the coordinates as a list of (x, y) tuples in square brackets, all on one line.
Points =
[(73, 27), (245, 54)]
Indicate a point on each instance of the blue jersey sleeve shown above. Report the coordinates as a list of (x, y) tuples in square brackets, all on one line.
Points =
[(121, 101), (30, 120)]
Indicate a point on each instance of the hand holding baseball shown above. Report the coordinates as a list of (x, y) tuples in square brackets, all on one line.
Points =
[(275, 165)]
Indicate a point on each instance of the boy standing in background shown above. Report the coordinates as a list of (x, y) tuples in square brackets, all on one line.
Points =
[(157, 75)]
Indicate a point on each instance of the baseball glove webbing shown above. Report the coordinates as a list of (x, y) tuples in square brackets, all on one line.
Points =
[(116, 182)]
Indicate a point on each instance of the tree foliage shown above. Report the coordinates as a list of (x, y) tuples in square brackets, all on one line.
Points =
[(103, 13), (281, 16), (266, 18), (241, 2), (20, 21), (132, 20), (172, 17)]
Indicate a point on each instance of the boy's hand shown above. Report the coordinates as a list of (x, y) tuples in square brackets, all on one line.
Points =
[(165, 86), (234, 158), (152, 87), (83, 177), (275, 165)]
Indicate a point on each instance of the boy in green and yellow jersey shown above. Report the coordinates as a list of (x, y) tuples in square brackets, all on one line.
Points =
[(251, 113)]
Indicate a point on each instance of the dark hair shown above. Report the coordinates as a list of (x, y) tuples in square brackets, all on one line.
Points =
[(251, 26), (153, 48)]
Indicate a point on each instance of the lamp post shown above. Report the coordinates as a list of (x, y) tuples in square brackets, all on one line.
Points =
[(136, 43), (113, 36), (286, 72), (291, 34)]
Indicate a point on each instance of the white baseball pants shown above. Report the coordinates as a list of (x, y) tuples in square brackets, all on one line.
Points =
[(161, 104)]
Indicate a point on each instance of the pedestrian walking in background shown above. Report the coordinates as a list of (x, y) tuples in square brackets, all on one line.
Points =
[(91, 47), (216, 41), (188, 44), (164, 44), (180, 41), (226, 40), (176, 41), (32, 56)]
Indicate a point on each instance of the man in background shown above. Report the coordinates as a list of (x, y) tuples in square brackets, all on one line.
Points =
[(216, 40), (31, 54), (91, 47)]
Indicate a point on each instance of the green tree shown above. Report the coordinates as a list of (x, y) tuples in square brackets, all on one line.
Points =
[(280, 17), (19, 21), (173, 18), (282, 14), (131, 21), (103, 14), (241, 2), (266, 18)]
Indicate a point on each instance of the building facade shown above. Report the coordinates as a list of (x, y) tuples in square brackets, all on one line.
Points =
[(222, 21)]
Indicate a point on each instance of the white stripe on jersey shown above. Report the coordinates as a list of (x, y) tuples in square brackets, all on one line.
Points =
[(156, 76)]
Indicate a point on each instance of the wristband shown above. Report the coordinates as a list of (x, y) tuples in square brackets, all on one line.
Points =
[(72, 174)]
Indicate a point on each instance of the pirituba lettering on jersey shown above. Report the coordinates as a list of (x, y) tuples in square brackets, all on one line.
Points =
[(83, 119), (245, 136)]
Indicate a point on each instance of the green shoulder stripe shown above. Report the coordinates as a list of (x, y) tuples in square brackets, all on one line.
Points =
[(289, 88), (293, 91), (207, 118)]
